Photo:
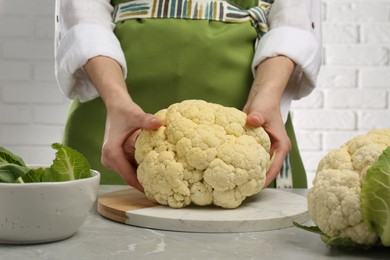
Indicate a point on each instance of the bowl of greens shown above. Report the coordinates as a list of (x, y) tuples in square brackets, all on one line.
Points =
[(42, 204)]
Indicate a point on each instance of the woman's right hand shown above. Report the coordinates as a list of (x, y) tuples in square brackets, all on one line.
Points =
[(124, 118), (122, 125)]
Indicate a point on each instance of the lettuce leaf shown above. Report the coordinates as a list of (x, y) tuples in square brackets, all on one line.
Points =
[(7, 156), (36, 175), (68, 164), (12, 167), (11, 173), (375, 197)]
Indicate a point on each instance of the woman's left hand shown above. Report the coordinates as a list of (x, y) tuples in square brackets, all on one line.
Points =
[(263, 108)]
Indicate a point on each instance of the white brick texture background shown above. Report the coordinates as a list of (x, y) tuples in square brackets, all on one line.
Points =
[(353, 92), (352, 96)]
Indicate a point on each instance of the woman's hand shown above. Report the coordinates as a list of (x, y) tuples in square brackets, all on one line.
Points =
[(263, 107), (124, 118), (122, 127)]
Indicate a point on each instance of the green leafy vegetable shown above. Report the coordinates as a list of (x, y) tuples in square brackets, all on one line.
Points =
[(375, 197), (36, 175), (11, 172), (343, 243), (337, 242), (8, 157), (68, 164)]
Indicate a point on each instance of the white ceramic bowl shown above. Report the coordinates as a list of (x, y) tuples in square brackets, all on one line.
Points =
[(45, 212)]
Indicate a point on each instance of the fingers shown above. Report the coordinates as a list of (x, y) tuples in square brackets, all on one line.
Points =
[(151, 122), (122, 127), (267, 116), (276, 165), (116, 160), (281, 144), (127, 172), (255, 119)]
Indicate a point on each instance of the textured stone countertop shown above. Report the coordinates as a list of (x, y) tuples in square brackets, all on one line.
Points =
[(100, 238)]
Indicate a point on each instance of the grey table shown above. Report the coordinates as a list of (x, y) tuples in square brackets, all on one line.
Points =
[(100, 238)]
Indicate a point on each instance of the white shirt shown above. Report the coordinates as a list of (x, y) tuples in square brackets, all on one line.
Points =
[(84, 29)]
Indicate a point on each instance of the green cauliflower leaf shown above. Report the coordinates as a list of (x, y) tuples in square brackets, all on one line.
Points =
[(375, 197)]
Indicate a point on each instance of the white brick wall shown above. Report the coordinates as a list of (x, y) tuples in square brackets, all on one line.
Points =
[(353, 94), (32, 109)]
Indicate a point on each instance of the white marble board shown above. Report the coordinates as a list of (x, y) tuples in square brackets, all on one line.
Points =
[(268, 210)]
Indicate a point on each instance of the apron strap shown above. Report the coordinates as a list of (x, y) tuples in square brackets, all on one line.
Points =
[(216, 10), (284, 178)]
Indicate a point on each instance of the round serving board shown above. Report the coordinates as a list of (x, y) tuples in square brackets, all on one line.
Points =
[(268, 210)]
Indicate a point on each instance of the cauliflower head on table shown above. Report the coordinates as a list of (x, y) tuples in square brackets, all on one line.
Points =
[(338, 192), (204, 154)]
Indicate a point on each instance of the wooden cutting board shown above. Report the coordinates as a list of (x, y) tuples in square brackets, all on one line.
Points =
[(268, 210)]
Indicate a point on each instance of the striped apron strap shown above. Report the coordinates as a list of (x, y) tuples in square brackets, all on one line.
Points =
[(284, 178), (217, 10)]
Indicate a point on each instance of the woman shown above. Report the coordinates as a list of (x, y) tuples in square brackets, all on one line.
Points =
[(121, 61)]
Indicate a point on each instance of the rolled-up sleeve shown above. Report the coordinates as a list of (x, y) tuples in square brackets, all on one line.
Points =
[(295, 32), (84, 29)]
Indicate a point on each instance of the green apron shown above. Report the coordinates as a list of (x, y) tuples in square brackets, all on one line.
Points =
[(171, 60)]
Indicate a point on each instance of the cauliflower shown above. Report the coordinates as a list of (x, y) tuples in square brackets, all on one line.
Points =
[(204, 154), (350, 197)]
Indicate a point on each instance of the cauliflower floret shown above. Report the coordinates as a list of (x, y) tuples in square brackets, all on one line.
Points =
[(204, 154), (337, 159), (334, 201)]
